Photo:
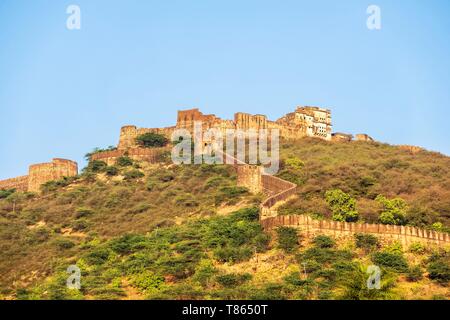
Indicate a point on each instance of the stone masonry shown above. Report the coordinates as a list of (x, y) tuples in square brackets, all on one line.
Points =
[(41, 173)]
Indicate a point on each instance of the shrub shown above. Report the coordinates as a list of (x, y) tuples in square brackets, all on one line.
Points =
[(439, 270), (6, 193), (150, 185), (323, 242), (152, 140), (439, 267), (147, 281), (417, 247), (391, 260), (294, 163), (80, 225), (124, 161), (56, 184), (394, 210), (64, 244), (232, 280), (204, 271), (414, 274), (342, 206), (83, 212), (232, 254), (96, 166), (287, 239), (133, 174), (229, 193), (127, 243), (98, 256), (111, 171), (366, 241)]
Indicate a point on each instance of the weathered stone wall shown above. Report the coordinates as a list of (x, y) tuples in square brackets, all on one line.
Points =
[(311, 228), (41, 173), (249, 177), (128, 135), (18, 183), (289, 127), (140, 154), (364, 137)]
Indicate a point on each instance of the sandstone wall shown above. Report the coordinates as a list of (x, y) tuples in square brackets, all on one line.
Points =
[(18, 183), (140, 154), (128, 135), (249, 177), (311, 227), (41, 173)]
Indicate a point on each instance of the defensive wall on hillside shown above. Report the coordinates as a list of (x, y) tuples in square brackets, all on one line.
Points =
[(311, 227), (140, 154), (41, 173)]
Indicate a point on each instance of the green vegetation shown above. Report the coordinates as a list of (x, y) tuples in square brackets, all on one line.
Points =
[(89, 155), (6, 193), (152, 140), (124, 161), (394, 210), (342, 206), (287, 238), (364, 171), (176, 232), (366, 241)]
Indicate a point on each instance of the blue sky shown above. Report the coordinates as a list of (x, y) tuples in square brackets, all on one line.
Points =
[(64, 92)]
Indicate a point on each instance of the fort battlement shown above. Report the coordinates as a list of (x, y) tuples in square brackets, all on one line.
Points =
[(41, 173), (311, 227), (303, 122)]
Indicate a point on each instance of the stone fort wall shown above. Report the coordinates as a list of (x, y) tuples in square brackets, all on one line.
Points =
[(140, 154), (41, 173), (279, 191), (310, 228), (18, 183)]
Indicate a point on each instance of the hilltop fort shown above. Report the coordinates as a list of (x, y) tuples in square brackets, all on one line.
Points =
[(305, 121)]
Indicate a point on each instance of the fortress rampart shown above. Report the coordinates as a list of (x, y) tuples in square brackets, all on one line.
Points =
[(140, 154), (310, 227), (279, 191), (18, 183), (303, 122), (41, 173)]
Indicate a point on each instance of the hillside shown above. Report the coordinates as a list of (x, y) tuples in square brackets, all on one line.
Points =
[(162, 231)]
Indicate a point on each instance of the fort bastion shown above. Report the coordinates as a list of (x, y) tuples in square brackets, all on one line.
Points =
[(41, 173)]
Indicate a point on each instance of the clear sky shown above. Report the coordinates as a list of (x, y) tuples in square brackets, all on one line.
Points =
[(64, 92)]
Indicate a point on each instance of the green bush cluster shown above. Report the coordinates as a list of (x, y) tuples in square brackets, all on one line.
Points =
[(343, 207), (287, 238), (152, 140)]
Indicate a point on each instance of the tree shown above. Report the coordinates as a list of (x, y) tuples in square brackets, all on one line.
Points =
[(342, 206), (394, 210), (287, 238), (152, 140)]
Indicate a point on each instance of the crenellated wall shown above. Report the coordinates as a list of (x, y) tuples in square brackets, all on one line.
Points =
[(310, 228), (304, 121)]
